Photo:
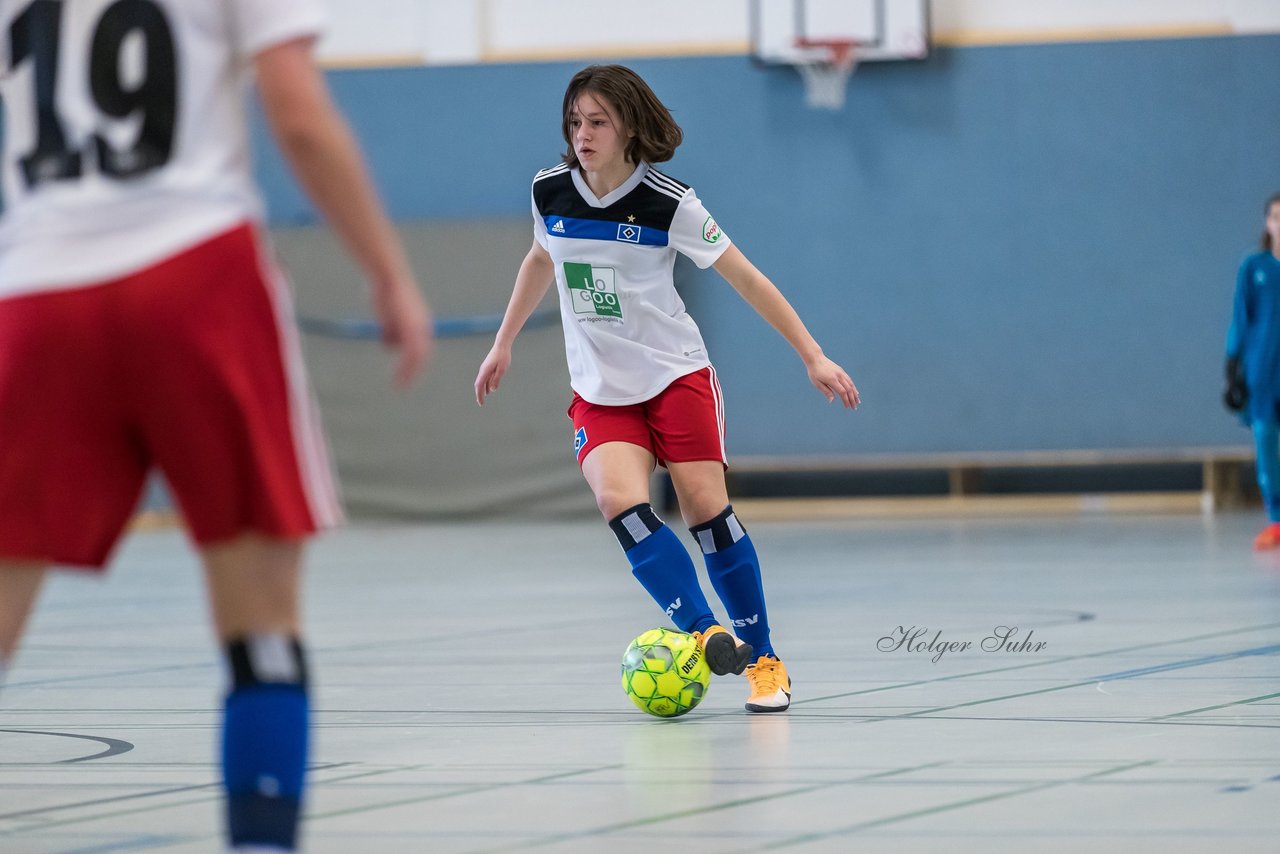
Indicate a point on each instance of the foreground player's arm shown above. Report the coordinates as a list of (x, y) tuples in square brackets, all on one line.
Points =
[(317, 143), (537, 271), (762, 295)]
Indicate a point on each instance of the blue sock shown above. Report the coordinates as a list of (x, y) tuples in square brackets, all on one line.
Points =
[(735, 574), (264, 740), (661, 564), (1266, 437)]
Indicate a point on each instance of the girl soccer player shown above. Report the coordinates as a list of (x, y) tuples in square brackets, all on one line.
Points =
[(1253, 364), (607, 226)]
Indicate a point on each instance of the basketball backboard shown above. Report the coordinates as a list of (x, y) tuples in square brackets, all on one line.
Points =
[(881, 29)]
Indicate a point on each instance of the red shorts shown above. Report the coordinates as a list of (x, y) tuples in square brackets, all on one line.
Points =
[(684, 423), (193, 366)]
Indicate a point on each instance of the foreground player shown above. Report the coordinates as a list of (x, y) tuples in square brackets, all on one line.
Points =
[(143, 323), (1253, 364), (607, 227)]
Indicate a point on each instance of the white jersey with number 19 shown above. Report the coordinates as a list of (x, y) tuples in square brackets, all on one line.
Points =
[(125, 132)]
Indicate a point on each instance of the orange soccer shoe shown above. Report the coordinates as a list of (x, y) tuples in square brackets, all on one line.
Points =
[(724, 652), (1268, 538), (770, 686)]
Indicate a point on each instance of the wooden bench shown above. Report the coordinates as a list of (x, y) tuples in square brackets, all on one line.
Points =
[(999, 482)]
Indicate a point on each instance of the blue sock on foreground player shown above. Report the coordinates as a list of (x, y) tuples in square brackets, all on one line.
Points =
[(661, 564), (264, 745), (734, 571)]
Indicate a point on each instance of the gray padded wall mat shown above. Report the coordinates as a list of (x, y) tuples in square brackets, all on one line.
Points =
[(432, 452)]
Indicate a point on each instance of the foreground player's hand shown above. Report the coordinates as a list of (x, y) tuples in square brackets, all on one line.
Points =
[(407, 327), (831, 379), (491, 372)]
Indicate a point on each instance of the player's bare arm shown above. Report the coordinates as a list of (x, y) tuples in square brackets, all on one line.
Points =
[(319, 147), (535, 276), (762, 295)]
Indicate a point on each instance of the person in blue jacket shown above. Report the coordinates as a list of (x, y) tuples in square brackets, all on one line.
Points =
[(1253, 364)]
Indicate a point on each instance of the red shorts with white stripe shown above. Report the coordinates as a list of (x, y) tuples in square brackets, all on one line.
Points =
[(684, 423), (192, 366)]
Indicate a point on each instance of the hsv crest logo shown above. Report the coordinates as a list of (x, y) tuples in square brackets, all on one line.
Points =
[(711, 231), (629, 233), (579, 441)]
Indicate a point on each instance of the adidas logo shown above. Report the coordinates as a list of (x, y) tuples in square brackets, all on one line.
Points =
[(558, 227)]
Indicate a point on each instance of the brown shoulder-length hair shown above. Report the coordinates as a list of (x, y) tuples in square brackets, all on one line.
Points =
[(657, 136), (1265, 242)]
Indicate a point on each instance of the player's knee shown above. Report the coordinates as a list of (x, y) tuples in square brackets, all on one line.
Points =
[(612, 502), (697, 507)]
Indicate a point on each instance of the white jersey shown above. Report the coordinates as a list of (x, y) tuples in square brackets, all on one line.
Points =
[(126, 134), (627, 334)]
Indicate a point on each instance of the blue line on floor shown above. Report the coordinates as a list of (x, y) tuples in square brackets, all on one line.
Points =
[(1193, 662)]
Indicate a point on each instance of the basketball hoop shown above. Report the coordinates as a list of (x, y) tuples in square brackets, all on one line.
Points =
[(825, 68)]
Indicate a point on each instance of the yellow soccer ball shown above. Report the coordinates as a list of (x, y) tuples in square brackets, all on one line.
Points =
[(665, 673)]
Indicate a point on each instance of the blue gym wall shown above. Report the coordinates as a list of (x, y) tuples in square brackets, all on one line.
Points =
[(1009, 248)]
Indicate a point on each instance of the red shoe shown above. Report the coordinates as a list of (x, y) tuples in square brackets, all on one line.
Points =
[(1268, 538)]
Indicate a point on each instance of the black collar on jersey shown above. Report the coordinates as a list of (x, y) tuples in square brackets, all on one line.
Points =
[(652, 204)]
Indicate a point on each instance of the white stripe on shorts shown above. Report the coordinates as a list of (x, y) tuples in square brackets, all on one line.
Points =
[(718, 396), (318, 483)]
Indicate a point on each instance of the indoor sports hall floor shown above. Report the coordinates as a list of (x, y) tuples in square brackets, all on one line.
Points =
[(468, 697)]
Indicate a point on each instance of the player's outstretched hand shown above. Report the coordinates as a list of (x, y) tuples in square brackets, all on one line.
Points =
[(492, 369), (831, 379), (407, 327)]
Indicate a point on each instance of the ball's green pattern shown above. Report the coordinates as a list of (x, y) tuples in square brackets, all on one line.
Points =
[(664, 673)]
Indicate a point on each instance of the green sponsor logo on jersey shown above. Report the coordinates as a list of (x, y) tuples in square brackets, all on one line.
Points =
[(592, 290)]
